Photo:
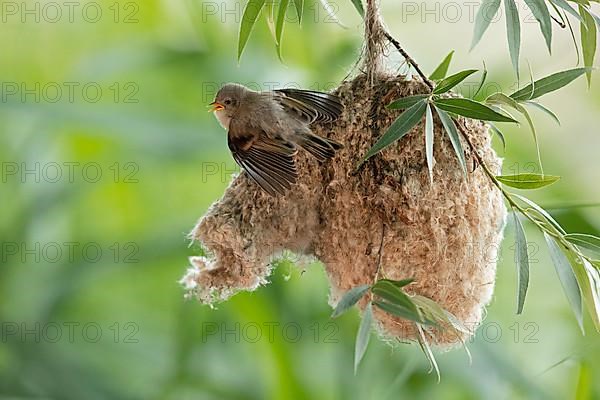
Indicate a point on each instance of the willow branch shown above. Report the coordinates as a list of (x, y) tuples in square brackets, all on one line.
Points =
[(409, 59)]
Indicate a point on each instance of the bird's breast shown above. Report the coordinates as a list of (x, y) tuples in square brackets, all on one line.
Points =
[(223, 119)]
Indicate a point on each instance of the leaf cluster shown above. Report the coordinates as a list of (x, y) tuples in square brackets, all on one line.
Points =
[(389, 296)]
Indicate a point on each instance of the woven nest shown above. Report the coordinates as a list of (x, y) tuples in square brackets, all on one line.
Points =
[(443, 234)]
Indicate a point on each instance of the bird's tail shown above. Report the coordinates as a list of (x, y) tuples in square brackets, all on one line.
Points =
[(319, 147)]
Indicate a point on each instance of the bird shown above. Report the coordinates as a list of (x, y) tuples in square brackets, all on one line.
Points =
[(265, 129)]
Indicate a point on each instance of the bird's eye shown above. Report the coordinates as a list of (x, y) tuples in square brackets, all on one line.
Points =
[(227, 102)]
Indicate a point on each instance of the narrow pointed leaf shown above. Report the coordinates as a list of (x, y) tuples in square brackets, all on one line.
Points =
[(269, 16), (527, 180), (482, 81), (453, 80), (427, 351), (452, 133), (433, 312), (406, 102), (582, 240), (429, 141), (281, 13), (567, 278), (513, 32), (394, 295), (442, 69), (588, 41), (544, 109), (573, 38), (249, 17), (398, 283), (363, 336), (539, 9), (399, 311), (567, 7), (359, 7), (548, 84), (501, 98), (592, 292), (471, 109), (299, 4), (349, 299), (522, 260), (497, 131), (401, 126), (542, 212), (485, 15)]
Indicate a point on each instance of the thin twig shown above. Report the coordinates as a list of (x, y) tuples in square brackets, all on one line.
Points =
[(560, 23), (409, 59)]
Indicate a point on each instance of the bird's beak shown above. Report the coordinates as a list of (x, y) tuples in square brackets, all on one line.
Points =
[(216, 106)]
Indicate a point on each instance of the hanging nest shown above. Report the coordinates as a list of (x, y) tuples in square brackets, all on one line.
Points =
[(443, 234)]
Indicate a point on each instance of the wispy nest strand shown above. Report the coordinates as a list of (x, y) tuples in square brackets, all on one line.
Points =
[(374, 41)]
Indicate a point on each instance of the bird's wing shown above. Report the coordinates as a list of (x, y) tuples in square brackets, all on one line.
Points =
[(311, 106), (268, 161)]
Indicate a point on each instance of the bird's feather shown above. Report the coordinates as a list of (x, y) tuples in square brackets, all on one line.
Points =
[(268, 161), (312, 106)]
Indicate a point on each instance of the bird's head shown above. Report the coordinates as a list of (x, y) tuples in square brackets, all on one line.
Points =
[(227, 102)]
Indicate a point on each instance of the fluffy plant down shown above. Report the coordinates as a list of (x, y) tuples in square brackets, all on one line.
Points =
[(443, 234)]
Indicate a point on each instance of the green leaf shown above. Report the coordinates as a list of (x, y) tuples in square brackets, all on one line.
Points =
[(567, 7), (539, 9), (482, 81), (513, 32), (501, 98), (429, 141), (399, 311), (363, 336), (591, 292), (269, 11), (452, 132), (485, 14), (548, 84), (398, 283), (453, 80), (588, 41), (584, 382), (589, 242), (566, 277), (393, 294), (299, 4), (249, 17), (359, 7), (406, 102), (528, 180), (544, 109), (442, 69), (573, 38), (433, 312), (497, 131), (401, 126), (522, 259), (542, 212), (471, 109), (349, 299), (427, 351), (281, 13)]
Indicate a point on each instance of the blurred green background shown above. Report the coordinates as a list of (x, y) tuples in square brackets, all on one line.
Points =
[(109, 157)]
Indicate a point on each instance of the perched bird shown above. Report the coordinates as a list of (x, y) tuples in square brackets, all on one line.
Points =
[(265, 129)]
